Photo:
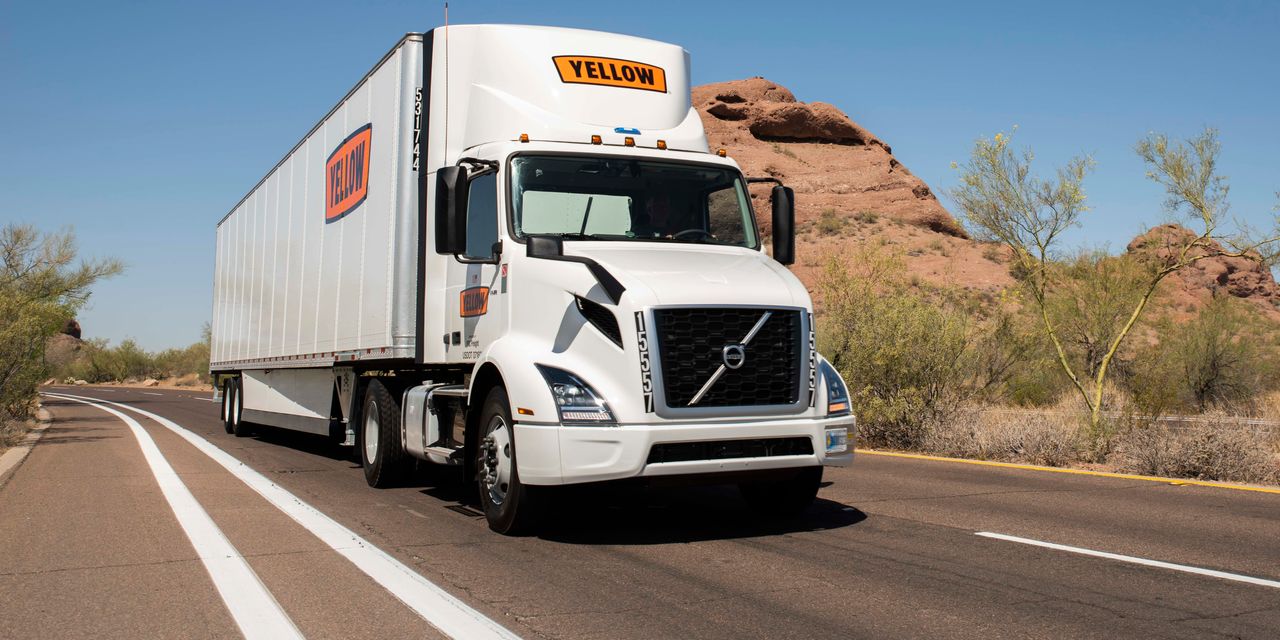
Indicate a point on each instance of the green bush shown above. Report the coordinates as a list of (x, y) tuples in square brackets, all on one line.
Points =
[(1223, 359), (904, 355), (41, 286), (830, 223), (99, 362)]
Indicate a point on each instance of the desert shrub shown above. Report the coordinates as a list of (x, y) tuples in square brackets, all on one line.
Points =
[(41, 286), (993, 252), (1224, 359), (100, 362), (830, 223), (867, 217), (905, 355), (1218, 449), (1037, 437)]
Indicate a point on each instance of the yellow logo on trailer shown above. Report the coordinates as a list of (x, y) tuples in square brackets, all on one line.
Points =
[(611, 72)]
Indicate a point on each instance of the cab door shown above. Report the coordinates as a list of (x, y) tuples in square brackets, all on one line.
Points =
[(477, 304)]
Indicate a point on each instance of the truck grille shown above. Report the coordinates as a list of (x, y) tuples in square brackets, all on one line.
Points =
[(691, 346)]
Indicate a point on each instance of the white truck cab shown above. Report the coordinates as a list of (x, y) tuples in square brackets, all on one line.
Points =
[(542, 274)]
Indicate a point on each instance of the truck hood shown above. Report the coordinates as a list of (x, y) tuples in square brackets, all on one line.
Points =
[(673, 274)]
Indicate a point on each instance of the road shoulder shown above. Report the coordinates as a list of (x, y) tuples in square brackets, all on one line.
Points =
[(13, 457)]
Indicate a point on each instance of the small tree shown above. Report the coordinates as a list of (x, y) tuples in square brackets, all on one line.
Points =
[(905, 355), (1005, 202), (41, 286)]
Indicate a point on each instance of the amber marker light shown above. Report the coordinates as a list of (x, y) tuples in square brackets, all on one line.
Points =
[(524, 412), (629, 141), (722, 153), (524, 137), (597, 140), (662, 144)]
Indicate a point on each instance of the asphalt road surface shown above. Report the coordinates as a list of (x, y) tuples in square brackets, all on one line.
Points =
[(104, 535)]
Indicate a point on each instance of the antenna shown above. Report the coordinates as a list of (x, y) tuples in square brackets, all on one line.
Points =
[(446, 78)]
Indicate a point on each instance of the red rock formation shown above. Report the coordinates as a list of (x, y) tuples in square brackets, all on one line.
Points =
[(1241, 277), (829, 160)]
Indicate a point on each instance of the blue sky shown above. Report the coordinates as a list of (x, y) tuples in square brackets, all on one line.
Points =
[(141, 124)]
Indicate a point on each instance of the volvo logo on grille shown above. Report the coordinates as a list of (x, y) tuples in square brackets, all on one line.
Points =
[(734, 356)]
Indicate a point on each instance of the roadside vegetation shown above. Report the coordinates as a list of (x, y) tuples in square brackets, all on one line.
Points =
[(42, 284), (1079, 363), (98, 362)]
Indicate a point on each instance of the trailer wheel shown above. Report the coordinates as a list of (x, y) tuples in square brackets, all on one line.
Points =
[(235, 423), (510, 506), (787, 497), (379, 437), (226, 405)]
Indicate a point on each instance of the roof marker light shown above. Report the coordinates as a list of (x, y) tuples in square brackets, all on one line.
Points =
[(722, 153), (662, 144), (524, 137), (629, 141), (597, 140)]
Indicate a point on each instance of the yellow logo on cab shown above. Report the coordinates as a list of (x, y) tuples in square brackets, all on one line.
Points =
[(611, 72)]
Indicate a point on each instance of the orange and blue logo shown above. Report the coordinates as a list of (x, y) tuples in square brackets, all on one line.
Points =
[(346, 174)]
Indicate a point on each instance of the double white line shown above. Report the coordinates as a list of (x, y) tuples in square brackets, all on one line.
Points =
[(435, 605)]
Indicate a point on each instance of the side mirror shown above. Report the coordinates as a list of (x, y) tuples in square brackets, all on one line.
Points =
[(784, 225), (451, 210), (544, 247)]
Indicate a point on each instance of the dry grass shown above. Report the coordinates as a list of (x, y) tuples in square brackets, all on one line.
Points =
[(12, 431), (1215, 447), (1043, 438), (1221, 448)]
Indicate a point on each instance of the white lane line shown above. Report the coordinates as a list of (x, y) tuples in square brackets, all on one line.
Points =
[(435, 605), (254, 609), (205, 399), (1135, 560), (151, 393)]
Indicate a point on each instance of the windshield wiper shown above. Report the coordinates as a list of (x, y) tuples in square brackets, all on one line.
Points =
[(586, 215)]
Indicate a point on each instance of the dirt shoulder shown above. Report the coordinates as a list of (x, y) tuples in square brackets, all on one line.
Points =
[(172, 383)]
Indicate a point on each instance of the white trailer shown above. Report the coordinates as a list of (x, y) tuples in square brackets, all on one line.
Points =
[(515, 239)]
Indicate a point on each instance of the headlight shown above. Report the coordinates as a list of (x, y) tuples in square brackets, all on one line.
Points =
[(576, 401), (837, 393)]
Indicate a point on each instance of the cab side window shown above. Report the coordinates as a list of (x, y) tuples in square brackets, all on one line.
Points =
[(482, 216)]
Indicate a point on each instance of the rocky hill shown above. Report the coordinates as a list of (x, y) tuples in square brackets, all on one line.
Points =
[(849, 186), (850, 189), (1186, 290)]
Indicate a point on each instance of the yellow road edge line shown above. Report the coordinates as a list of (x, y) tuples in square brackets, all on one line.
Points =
[(1079, 472)]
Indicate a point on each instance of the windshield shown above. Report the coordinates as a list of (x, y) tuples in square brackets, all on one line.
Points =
[(599, 198)]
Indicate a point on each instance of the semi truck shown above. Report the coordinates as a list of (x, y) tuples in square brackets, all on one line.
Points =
[(510, 249)]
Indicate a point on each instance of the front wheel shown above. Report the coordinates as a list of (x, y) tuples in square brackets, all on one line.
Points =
[(509, 506), (786, 497)]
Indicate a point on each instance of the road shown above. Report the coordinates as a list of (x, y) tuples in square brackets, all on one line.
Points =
[(92, 545)]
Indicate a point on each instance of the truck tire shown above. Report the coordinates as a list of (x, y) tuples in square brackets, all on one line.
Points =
[(226, 405), (787, 497), (378, 433), (510, 506), (235, 410)]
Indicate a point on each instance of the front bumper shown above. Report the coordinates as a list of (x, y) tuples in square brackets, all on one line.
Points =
[(549, 454)]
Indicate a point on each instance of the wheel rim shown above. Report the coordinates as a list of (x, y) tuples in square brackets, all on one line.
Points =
[(495, 461), (371, 429), (235, 408)]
